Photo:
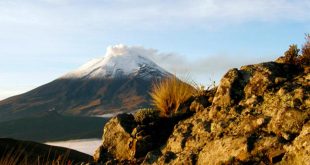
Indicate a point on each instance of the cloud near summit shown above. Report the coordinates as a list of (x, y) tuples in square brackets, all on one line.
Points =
[(203, 70)]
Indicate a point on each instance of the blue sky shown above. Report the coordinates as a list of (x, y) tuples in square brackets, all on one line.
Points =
[(41, 40)]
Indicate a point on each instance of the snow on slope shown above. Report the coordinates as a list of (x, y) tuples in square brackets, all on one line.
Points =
[(119, 60)]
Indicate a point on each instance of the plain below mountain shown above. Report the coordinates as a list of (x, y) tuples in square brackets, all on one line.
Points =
[(53, 127)]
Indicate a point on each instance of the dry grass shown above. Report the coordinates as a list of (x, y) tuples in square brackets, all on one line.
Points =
[(168, 94), (201, 89), (20, 157)]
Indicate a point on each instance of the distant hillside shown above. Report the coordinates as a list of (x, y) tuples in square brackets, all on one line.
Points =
[(53, 127)]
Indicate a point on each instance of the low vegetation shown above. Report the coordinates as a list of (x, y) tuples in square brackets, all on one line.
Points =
[(22, 157), (146, 115), (292, 55), (169, 94)]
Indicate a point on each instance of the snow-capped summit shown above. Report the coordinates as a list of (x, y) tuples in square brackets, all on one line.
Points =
[(120, 60)]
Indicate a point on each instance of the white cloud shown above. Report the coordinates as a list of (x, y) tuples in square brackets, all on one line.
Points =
[(202, 70), (56, 2), (207, 69), (149, 14)]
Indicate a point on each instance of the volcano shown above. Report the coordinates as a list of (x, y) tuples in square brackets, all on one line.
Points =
[(118, 82)]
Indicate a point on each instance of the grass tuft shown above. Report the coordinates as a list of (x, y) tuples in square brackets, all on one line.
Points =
[(168, 94)]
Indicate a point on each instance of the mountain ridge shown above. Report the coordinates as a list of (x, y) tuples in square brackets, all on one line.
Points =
[(118, 82)]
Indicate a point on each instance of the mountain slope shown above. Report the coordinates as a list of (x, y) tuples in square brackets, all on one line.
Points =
[(118, 82)]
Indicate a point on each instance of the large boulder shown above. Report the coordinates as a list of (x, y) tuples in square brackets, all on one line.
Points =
[(228, 91), (127, 138), (117, 139)]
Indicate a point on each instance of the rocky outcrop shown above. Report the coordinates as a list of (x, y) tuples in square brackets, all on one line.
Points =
[(256, 113), (117, 137), (127, 138), (259, 114)]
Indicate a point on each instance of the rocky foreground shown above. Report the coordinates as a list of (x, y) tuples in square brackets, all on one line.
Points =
[(259, 114)]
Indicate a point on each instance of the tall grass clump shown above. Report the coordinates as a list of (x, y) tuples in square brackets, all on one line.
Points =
[(20, 156), (11, 157), (168, 94)]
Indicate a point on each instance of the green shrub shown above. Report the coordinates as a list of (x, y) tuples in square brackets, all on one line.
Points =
[(146, 115), (169, 94)]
